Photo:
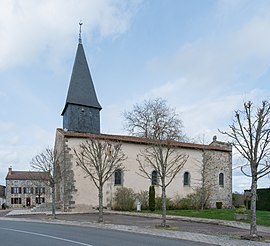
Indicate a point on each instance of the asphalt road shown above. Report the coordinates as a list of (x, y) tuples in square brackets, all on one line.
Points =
[(18, 233), (146, 222)]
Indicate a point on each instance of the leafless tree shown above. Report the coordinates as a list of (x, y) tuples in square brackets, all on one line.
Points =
[(250, 135), (154, 119), (167, 161), (204, 191), (159, 123), (99, 159), (206, 185), (48, 161)]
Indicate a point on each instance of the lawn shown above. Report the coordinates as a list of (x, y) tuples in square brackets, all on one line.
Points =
[(263, 217)]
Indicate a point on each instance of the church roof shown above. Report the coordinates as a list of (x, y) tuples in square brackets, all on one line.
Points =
[(139, 140), (81, 88)]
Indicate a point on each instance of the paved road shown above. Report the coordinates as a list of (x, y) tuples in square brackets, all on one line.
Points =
[(17, 233), (145, 222)]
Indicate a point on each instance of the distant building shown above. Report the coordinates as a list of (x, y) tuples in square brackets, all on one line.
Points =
[(81, 121), (27, 188), (2, 195)]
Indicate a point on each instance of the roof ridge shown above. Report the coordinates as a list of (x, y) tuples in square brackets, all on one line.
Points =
[(135, 139)]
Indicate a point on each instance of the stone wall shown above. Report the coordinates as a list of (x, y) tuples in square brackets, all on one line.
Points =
[(218, 162), (27, 199)]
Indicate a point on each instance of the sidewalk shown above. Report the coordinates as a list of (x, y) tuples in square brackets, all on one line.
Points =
[(144, 223)]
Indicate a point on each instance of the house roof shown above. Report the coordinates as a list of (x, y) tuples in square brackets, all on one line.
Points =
[(27, 175), (81, 88), (139, 140)]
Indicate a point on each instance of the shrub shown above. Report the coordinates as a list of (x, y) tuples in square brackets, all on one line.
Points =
[(151, 199), (186, 203), (241, 210), (143, 196), (177, 202), (191, 201), (238, 200), (169, 203), (124, 199)]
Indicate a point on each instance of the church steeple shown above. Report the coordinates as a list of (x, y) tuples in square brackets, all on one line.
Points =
[(81, 111)]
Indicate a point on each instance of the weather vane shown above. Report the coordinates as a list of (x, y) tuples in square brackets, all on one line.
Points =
[(80, 33)]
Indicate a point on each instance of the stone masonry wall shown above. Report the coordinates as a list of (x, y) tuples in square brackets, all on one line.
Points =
[(219, 162)]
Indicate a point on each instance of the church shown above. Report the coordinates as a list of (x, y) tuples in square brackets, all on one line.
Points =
[(81, 121)]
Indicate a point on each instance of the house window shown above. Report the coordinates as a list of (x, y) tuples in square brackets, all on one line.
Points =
[(16, 200), (186, 179), (40, 200), (16, 190), (154, 178), (118, 177), (221, 179), (40, 190), (28, 190)]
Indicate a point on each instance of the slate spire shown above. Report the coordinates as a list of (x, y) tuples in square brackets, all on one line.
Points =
[(81, 111)]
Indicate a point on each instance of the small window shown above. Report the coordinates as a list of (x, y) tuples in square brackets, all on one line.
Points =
[(186, 178), (40, 190), (40, 200), (118, 177), (221, 179), (28, 190), (16, 200), (16, 190), (154, 178)]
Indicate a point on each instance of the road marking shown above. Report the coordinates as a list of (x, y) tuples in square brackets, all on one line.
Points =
[(45, 235)]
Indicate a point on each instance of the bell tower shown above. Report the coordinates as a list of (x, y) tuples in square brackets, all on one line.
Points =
[(82, 109)]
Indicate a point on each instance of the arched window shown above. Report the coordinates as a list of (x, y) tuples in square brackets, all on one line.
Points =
[(154, 178), (221, 179), (186, 178), (118, 177)]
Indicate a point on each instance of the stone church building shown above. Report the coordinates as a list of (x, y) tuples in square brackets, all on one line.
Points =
[(81, 121)]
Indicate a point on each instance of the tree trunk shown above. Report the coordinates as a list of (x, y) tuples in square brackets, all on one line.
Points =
[(202, 197), (253, 224), (163, 196), (53, 202), (100, 204)]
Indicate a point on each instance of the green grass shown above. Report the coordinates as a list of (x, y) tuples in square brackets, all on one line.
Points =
[(263, 217)]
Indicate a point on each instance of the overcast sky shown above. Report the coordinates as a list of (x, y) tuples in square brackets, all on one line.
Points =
[(204, 57)]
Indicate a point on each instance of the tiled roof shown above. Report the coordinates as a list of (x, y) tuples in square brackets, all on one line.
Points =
[(140, 140), (27, 175)]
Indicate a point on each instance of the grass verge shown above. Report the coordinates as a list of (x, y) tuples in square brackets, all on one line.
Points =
[(263, 217)]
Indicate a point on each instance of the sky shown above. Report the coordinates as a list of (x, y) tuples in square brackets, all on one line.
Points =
[(206, 58)]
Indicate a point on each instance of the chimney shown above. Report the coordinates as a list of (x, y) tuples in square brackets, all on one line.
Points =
[(9, 170)]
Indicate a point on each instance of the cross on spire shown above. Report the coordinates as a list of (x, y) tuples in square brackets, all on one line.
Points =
[(80, 32)]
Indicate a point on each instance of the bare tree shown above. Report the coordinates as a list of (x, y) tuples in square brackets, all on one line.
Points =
[(206, 185), (250, 135), (204, 191), (167, 161), (48, 161), (154, 119), (99, 159)]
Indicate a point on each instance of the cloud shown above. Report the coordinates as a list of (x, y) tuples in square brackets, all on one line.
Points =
[(233, 56), (30, 28)]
